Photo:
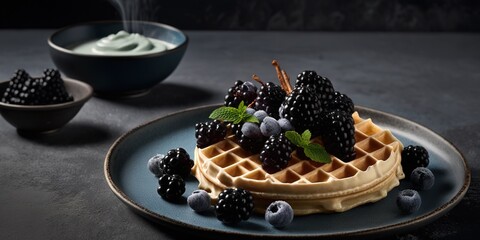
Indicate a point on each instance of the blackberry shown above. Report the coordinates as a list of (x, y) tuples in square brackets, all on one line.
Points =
[(269, 98), (276, 153), (18, 84), (54, 88), (234, 205), (321, 85), (208, 133), (25, 90), (250, 144), (342, 102), (241, 91), (339, 135), (413, 157), (302, 108), (176, 161), (171, 187)]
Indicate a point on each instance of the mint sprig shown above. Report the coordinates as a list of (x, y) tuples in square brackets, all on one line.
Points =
[(233, 115), (312, 150)]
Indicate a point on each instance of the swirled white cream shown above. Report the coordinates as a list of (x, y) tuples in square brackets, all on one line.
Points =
[(122, 44)]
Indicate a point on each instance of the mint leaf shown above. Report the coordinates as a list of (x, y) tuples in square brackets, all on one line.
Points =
[(250, 118), (317, 153), (306, 135), (227, 114), (242, 108), (294, 137), (234, 115), (313, 151)]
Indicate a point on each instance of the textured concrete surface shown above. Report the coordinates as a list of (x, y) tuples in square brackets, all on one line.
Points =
[(52, 186)]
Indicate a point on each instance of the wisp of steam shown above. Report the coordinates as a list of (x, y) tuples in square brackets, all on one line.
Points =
[(132, 11)]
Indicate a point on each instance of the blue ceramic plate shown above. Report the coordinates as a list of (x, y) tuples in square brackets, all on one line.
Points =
[(129, 178)]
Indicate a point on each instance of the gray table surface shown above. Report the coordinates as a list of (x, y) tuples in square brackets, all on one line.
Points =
[(53, 187)]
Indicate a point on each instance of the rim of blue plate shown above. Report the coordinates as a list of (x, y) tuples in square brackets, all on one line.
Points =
[(420, 220)]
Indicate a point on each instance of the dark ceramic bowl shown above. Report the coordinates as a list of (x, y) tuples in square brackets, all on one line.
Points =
[(46, 118), (116, 75)]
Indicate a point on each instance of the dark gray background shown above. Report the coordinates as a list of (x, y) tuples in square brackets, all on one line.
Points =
[(53, 187), (336, 15)]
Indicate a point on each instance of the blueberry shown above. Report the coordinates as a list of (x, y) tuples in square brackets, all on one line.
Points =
[(409, 201), (422, 178), (249, 87), (260, 115), (285, 124), (270, 127), (250, 111), (279, 214), (199, 201), (251, 130), (154, 164)]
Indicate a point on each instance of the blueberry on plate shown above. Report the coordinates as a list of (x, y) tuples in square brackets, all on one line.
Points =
[(422, 178), (154, 164), (409, 201), (199, 201), (279, 214)]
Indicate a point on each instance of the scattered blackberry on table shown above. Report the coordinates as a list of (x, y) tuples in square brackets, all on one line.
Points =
[(279, 214), (320, 85), (176, 161), (250, 144), (171, 187), (409, 201), (241, 91), (413, 157), (208, 133), (422, 179), (342, 102), (234, 205), (302, 108), (339, 135), (269, 98), (275, 155)]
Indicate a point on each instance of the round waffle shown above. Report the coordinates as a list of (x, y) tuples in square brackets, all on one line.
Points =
[(309, 187)]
